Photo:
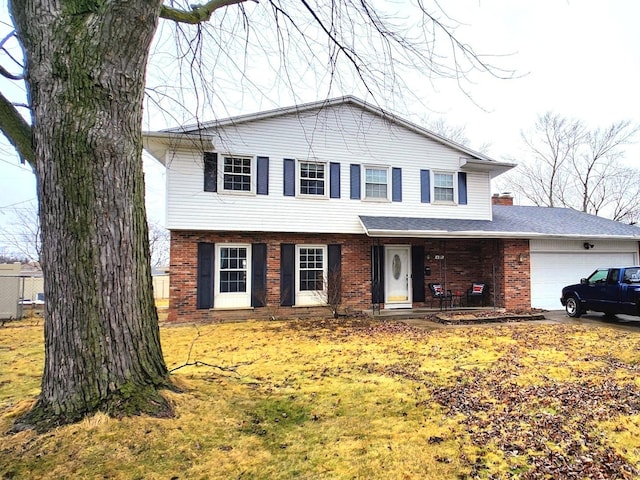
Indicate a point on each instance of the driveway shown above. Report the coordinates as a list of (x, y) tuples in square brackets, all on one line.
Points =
[(625, 322)]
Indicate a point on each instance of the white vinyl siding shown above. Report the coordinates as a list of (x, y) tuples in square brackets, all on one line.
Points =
[(341, 134)]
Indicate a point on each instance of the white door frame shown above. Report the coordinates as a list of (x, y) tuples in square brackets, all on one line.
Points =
[(397, 276)]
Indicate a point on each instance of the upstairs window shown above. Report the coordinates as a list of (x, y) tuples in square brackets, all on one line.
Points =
[(312, 178), (236, 174), (443, 187), (376, 183)]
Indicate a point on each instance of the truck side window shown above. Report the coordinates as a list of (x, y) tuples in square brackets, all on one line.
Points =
[(613, 276), (632, 275), (599, 276)]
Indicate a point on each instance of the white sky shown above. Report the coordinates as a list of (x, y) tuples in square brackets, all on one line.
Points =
[(578, 58)]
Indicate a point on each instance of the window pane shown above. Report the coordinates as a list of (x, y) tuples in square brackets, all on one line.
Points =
[(312, 178), (376, 191), (375, 183), (443, 187), (233, 269), (311, 269), (237, 174), (443, 180)]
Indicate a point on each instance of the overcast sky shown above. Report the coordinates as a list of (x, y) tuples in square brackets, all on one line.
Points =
[(578, 58)]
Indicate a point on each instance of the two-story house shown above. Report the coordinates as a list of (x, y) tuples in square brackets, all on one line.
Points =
[(294, 207)]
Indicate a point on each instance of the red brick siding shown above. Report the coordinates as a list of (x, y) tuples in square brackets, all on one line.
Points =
[(516, 280), (465, 261)]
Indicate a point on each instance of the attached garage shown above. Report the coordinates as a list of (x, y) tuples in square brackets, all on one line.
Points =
[(556, 263)]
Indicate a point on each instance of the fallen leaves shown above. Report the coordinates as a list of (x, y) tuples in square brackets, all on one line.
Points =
[(545, 430)]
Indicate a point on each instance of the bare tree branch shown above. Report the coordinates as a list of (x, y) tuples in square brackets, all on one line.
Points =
[(198, 14), (7, 74), (16, 129)]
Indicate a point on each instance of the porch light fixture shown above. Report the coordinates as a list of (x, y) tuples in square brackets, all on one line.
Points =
[(521, 258)]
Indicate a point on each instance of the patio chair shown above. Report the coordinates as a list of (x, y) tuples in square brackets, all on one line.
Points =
[(438, 293), (476, 294)]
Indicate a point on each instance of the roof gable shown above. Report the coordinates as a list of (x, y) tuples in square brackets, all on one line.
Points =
[(188, 133)]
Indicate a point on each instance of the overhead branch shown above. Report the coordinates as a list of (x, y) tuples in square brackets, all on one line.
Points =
[(198, 14), (7, 74), (16, 129)]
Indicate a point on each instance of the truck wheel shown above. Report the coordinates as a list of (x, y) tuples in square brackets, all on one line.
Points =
[(572, 307)]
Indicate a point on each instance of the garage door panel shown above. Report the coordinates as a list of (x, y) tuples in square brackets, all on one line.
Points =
[(550, 271)]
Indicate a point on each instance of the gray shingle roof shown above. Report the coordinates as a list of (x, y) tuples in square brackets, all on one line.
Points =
[(508, 221)]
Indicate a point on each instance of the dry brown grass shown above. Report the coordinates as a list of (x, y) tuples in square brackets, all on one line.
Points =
[(353, 399)]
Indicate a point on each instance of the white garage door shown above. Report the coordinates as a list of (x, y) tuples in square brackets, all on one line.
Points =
[(550, 271)]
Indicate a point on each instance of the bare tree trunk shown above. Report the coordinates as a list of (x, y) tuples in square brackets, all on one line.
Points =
[(86, 63)]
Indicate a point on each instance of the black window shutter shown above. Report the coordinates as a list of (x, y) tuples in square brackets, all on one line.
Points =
[(377, 274), (417, 272), (210, 160), (287, 274), (289, 175), (262, 175), (355, 181), (425, 186), (258, 274), (204, 288), (396, 184), (334, 180), (462, 188), (334, 269)]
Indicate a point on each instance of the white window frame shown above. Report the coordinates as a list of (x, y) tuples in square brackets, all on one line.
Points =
[(224, 300), (364, 183), (454, 188), (299, 179), (252, 174), (311, 297)]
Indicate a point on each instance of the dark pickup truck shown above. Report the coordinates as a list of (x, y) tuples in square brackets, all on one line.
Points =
[(607, 290)]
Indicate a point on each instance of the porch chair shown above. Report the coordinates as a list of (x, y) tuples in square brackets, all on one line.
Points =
[(476, 294), (438, 293)]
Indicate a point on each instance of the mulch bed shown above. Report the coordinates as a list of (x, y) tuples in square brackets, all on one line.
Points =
[(485, 316)]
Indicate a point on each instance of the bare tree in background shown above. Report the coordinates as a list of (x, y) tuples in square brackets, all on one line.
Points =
[(85, 65), (572, 166), (23, 236), (455, 133), (158, 245)]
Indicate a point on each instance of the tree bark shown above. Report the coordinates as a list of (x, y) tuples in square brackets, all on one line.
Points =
[(86, 64)]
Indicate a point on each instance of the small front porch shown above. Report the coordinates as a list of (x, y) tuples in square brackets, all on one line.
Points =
[(405, 270)]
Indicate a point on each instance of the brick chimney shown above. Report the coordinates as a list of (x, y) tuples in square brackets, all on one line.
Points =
[(502, 199)]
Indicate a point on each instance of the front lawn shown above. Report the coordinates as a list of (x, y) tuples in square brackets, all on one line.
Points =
[(329, 399)]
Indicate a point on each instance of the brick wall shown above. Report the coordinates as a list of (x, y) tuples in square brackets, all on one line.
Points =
[(465, 261), (501, 199), (515, 282)]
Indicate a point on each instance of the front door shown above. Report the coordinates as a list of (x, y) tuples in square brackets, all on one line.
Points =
[(397, 276)]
